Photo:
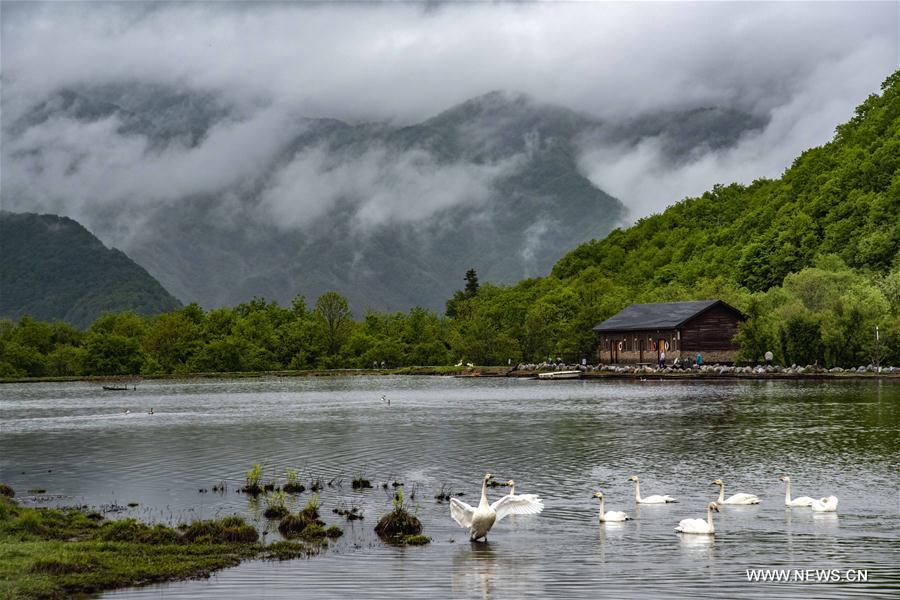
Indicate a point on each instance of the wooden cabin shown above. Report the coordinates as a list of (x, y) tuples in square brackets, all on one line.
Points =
[(639, 333)]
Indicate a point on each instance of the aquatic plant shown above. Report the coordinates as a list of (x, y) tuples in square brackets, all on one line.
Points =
[(230, 529), (275, 507), (312, 532), (334, 532), (361, 483), (254, 477), (294, 525), (396, 525), (287, 550), (354, 513), (293, 485), (416, 540), (7, 491)]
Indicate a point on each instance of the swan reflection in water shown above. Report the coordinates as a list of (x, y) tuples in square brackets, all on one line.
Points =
[(473, 569), (698, 547), (495, 569)]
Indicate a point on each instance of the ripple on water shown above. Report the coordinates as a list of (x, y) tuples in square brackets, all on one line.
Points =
[(563, 440)]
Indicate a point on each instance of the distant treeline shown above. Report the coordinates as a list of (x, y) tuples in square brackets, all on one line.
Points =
[(813, 258), (825, 314)]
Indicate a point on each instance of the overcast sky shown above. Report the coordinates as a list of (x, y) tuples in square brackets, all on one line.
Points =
[(803, 65)]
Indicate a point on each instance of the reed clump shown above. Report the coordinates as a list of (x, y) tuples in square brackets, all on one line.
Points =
[(294, 525), (399, 524), (293, 485), (275, 508)]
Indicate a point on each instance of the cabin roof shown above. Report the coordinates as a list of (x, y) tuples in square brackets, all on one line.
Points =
[(662, 315)]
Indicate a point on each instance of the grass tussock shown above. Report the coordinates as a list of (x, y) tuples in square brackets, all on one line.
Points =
[(7, 491), (399, 524), (294, 525), (289, 550), (293, 485)]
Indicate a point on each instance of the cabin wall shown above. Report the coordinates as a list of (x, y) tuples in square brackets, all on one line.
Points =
[(712, 331), (631, 347)]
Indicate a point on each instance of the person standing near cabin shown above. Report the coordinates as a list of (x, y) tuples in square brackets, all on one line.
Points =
[(662, 359), (769, 357), (699, 360)]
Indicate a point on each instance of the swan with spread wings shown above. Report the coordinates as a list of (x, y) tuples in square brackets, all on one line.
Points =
[(480, 519)]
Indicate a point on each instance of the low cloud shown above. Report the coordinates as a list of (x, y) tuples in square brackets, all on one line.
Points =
[(377, 187), (804, 66), (647, 178)]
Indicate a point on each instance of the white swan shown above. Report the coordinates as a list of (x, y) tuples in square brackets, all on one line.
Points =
[(480, 520), (796, 502), (734, 499), (699, 525), (512, 493), (648, 499), (828, 504), (613, 516)]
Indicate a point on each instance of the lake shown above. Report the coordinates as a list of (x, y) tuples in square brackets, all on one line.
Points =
[(562, 440)]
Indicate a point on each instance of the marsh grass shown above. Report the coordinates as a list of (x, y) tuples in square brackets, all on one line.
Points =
[(293, 485), (253, 480), (295, 525), (289, 550), (7, 491), (399, 524), (275, 508), (354, 513), (61, 553), (360, 483)]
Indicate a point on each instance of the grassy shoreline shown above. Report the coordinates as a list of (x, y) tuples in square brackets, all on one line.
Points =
[(443, 371), (58, 553)]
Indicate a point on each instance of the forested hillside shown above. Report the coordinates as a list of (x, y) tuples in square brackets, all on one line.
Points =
[(53, 268), (813, 258)]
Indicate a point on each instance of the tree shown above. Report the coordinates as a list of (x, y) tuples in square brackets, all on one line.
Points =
[(113, 354), (334, 318), (471, 283)]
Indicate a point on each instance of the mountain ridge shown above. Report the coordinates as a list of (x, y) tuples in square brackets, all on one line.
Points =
[(51, 267)]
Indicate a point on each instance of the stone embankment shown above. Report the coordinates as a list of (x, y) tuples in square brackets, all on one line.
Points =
[(756, 371)]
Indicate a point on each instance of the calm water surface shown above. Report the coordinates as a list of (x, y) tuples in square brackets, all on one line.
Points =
[(563, 440)]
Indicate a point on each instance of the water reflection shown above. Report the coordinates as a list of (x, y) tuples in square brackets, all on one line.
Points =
[(473, 569)]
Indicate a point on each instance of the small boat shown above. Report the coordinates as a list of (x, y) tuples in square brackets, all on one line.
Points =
[(560, 375), (115, 388)]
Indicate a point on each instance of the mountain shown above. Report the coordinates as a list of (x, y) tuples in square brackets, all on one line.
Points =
[(812, 257), (53, 268), (389, 216)]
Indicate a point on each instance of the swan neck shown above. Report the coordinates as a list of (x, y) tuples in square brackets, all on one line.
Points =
[(787, 492), (722, 493), (709, 522), (601, 508), (484, 499), (637, 491)]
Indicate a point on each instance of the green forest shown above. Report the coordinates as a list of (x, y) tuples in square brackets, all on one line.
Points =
[(812, 258)]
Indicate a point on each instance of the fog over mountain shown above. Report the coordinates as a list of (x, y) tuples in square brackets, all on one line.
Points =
[(242, 149)]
